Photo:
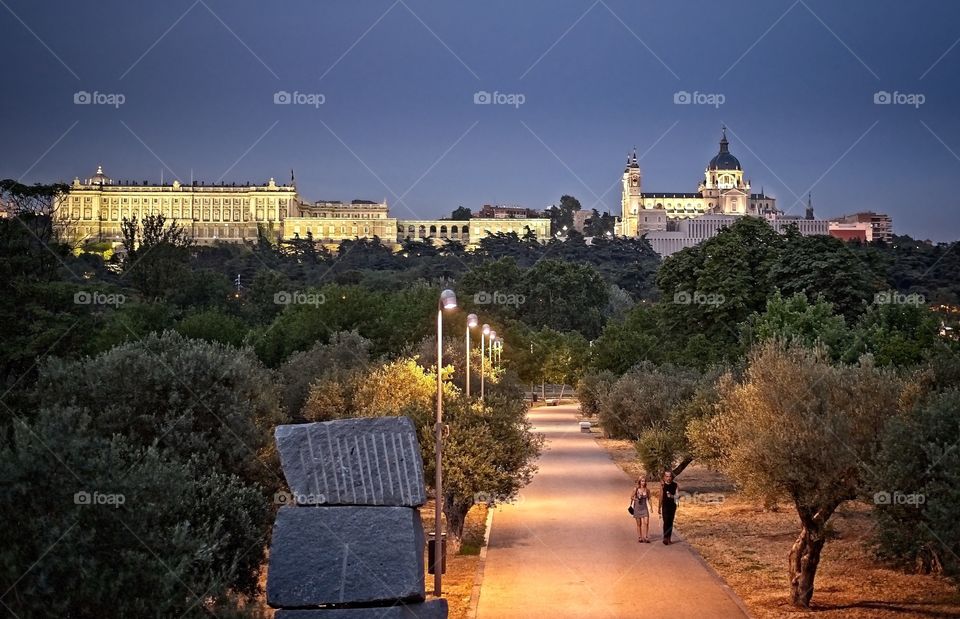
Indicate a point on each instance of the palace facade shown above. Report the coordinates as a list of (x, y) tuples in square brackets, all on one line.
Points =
[(94, 210)]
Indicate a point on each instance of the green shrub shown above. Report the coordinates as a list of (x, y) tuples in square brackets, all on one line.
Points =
[(95, 526), (592, 388), (644, 397), (917, 489)]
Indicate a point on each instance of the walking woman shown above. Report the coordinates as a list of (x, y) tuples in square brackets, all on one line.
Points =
[(640, 501), (668, 505)]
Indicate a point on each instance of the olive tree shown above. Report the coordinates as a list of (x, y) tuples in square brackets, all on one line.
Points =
[(96, 525), (490, 450), (798, 426)]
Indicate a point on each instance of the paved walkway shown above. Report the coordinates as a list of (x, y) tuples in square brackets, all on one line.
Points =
[(568, 547)]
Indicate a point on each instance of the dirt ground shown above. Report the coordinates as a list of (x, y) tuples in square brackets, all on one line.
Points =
[(748, 546), (461, 568)]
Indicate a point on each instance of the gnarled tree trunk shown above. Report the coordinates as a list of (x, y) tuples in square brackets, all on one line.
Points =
[(455, 509), (804, 559), (805, 554)]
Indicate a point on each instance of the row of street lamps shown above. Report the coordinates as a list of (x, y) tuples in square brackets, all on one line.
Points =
[(448, 301)]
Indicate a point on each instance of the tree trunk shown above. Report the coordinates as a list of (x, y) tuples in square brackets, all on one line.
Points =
[(683, 464), (455, 509), (804, 559), (562, 387)]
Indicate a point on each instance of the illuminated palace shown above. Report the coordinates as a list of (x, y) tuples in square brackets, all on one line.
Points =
[(672, 221), (95, 208)]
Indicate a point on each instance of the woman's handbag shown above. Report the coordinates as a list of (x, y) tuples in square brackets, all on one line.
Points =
[(630, 508)]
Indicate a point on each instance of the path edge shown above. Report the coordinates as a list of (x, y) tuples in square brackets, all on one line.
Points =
[(718, 578), (478, 576)]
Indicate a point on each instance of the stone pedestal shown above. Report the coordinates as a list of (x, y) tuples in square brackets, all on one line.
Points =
[(352, 545), (353, 462)]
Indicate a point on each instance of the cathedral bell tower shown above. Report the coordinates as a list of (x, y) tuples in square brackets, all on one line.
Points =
[(631, 202)]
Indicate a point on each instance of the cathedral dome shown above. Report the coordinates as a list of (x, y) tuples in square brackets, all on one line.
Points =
[(99, 178), (724, 160)]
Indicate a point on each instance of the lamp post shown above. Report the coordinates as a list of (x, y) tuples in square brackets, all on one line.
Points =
[(448, 300), (484, 332), (471, 323), (493, 338)]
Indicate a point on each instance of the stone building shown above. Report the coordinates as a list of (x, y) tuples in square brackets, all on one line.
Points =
[(723, 191), (94, 209)]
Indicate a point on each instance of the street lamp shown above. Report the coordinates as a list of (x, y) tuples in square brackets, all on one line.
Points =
[(448, 301), (471, 323), (485, 331), (493, 338)]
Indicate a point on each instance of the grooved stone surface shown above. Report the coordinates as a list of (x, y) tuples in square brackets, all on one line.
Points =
[(373, 461), (335, 555), (433, 609)]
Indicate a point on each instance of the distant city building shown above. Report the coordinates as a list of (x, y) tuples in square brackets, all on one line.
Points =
[(857, 231), (674, 221), (880, 224), (722, 192), (95, 208), (580, 220), (499, 211), (692, 232)]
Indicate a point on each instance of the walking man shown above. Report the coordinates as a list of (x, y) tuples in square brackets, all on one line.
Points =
[(668, 505)]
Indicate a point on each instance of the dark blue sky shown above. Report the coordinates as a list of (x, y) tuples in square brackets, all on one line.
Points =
[(398, 120)]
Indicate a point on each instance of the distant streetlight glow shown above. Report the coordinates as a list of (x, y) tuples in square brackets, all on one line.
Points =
[(484, 332), (471, 323)]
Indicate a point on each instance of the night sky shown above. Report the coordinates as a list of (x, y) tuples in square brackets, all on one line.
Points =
[(386, 90)]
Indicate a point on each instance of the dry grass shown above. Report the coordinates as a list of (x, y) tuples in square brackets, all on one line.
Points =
[(461, 568), (748, 547)]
